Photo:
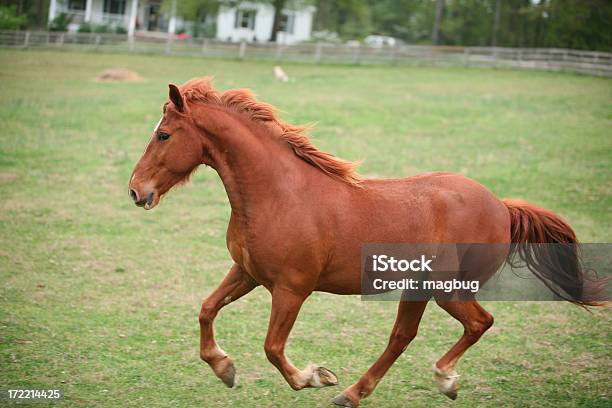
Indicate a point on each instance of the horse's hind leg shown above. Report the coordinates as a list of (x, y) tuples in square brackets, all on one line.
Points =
[(405, 329), (475, 321), (235, 284)]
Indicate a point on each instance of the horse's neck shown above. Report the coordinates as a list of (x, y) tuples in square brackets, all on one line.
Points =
[(255, 169)]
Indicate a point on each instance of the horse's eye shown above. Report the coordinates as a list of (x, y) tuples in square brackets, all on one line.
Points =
[(161, 136)]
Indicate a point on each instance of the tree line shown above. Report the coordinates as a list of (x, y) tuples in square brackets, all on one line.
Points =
[(578, 24)]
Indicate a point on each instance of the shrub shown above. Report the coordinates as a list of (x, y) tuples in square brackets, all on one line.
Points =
[(60, 22), (102, 29), (120, 30), (207, 30), (9, 20), (85, 27)]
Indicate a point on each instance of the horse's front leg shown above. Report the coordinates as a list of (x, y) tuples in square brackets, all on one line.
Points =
[(235, 284), (285, 308)]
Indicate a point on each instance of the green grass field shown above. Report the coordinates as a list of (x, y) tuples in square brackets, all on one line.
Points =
[(101, 298)]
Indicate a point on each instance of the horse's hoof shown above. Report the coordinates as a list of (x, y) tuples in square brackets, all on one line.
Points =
[(226, 372), (342, 400), (447, 382), (229, 376), (451, 394), (325, 377)]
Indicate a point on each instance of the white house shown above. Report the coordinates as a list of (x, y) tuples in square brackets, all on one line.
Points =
[(252, 22), (132, 15), (248, 21)]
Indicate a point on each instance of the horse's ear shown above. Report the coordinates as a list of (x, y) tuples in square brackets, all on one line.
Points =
[(176, 97)]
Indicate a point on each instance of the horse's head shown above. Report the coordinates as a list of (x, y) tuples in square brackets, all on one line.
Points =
[(171, 155)]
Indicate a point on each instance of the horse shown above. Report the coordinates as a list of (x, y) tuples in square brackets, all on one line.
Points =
[(299, 217)]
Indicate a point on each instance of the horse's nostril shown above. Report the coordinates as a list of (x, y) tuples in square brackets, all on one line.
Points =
[(133, 195)]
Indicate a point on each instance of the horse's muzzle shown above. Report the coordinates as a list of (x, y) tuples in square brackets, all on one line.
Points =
[(144, 201)]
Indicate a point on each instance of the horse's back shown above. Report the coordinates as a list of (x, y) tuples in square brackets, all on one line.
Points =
[(436, 207)]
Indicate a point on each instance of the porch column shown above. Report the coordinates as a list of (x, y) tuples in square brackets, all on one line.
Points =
[(52, 10), (172, 22), (133, 15), (88, 10)]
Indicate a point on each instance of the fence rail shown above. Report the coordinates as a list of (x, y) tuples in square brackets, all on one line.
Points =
[(552, 59)]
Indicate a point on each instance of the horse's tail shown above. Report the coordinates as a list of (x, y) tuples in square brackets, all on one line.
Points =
[(558, 266)]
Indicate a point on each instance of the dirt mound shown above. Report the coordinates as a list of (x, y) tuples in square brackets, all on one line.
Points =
[(118, 75)]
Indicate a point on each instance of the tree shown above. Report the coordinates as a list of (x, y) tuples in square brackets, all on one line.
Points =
[(9, 20), (583, 24), (467, 22), (349, 18), (34, 12), (395, 18), (193, 9), (577, 24), (496, 22), (435, 33), (278, 5)]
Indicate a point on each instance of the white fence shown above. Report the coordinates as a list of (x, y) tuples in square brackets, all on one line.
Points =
[(554, 59)]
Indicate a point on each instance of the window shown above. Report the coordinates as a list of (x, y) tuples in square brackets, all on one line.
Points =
[(76, 5), (201, 16), (286, 23), (245, 19), (114, 6)]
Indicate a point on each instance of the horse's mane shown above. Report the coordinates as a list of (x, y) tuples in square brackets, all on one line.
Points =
[(243, 101)]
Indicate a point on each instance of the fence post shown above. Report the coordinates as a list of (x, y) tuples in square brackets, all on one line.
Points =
[(169, 43), (279, 51), (60, 40), (549, 59), (318, 50), (242, 50), (466, 56), (26, 39), (356, 54), (97, 43), (495, 57), (204, 46)]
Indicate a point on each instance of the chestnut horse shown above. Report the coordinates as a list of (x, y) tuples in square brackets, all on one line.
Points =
[(299, 217)]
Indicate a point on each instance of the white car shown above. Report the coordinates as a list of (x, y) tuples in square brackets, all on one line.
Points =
[(379, 41)]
